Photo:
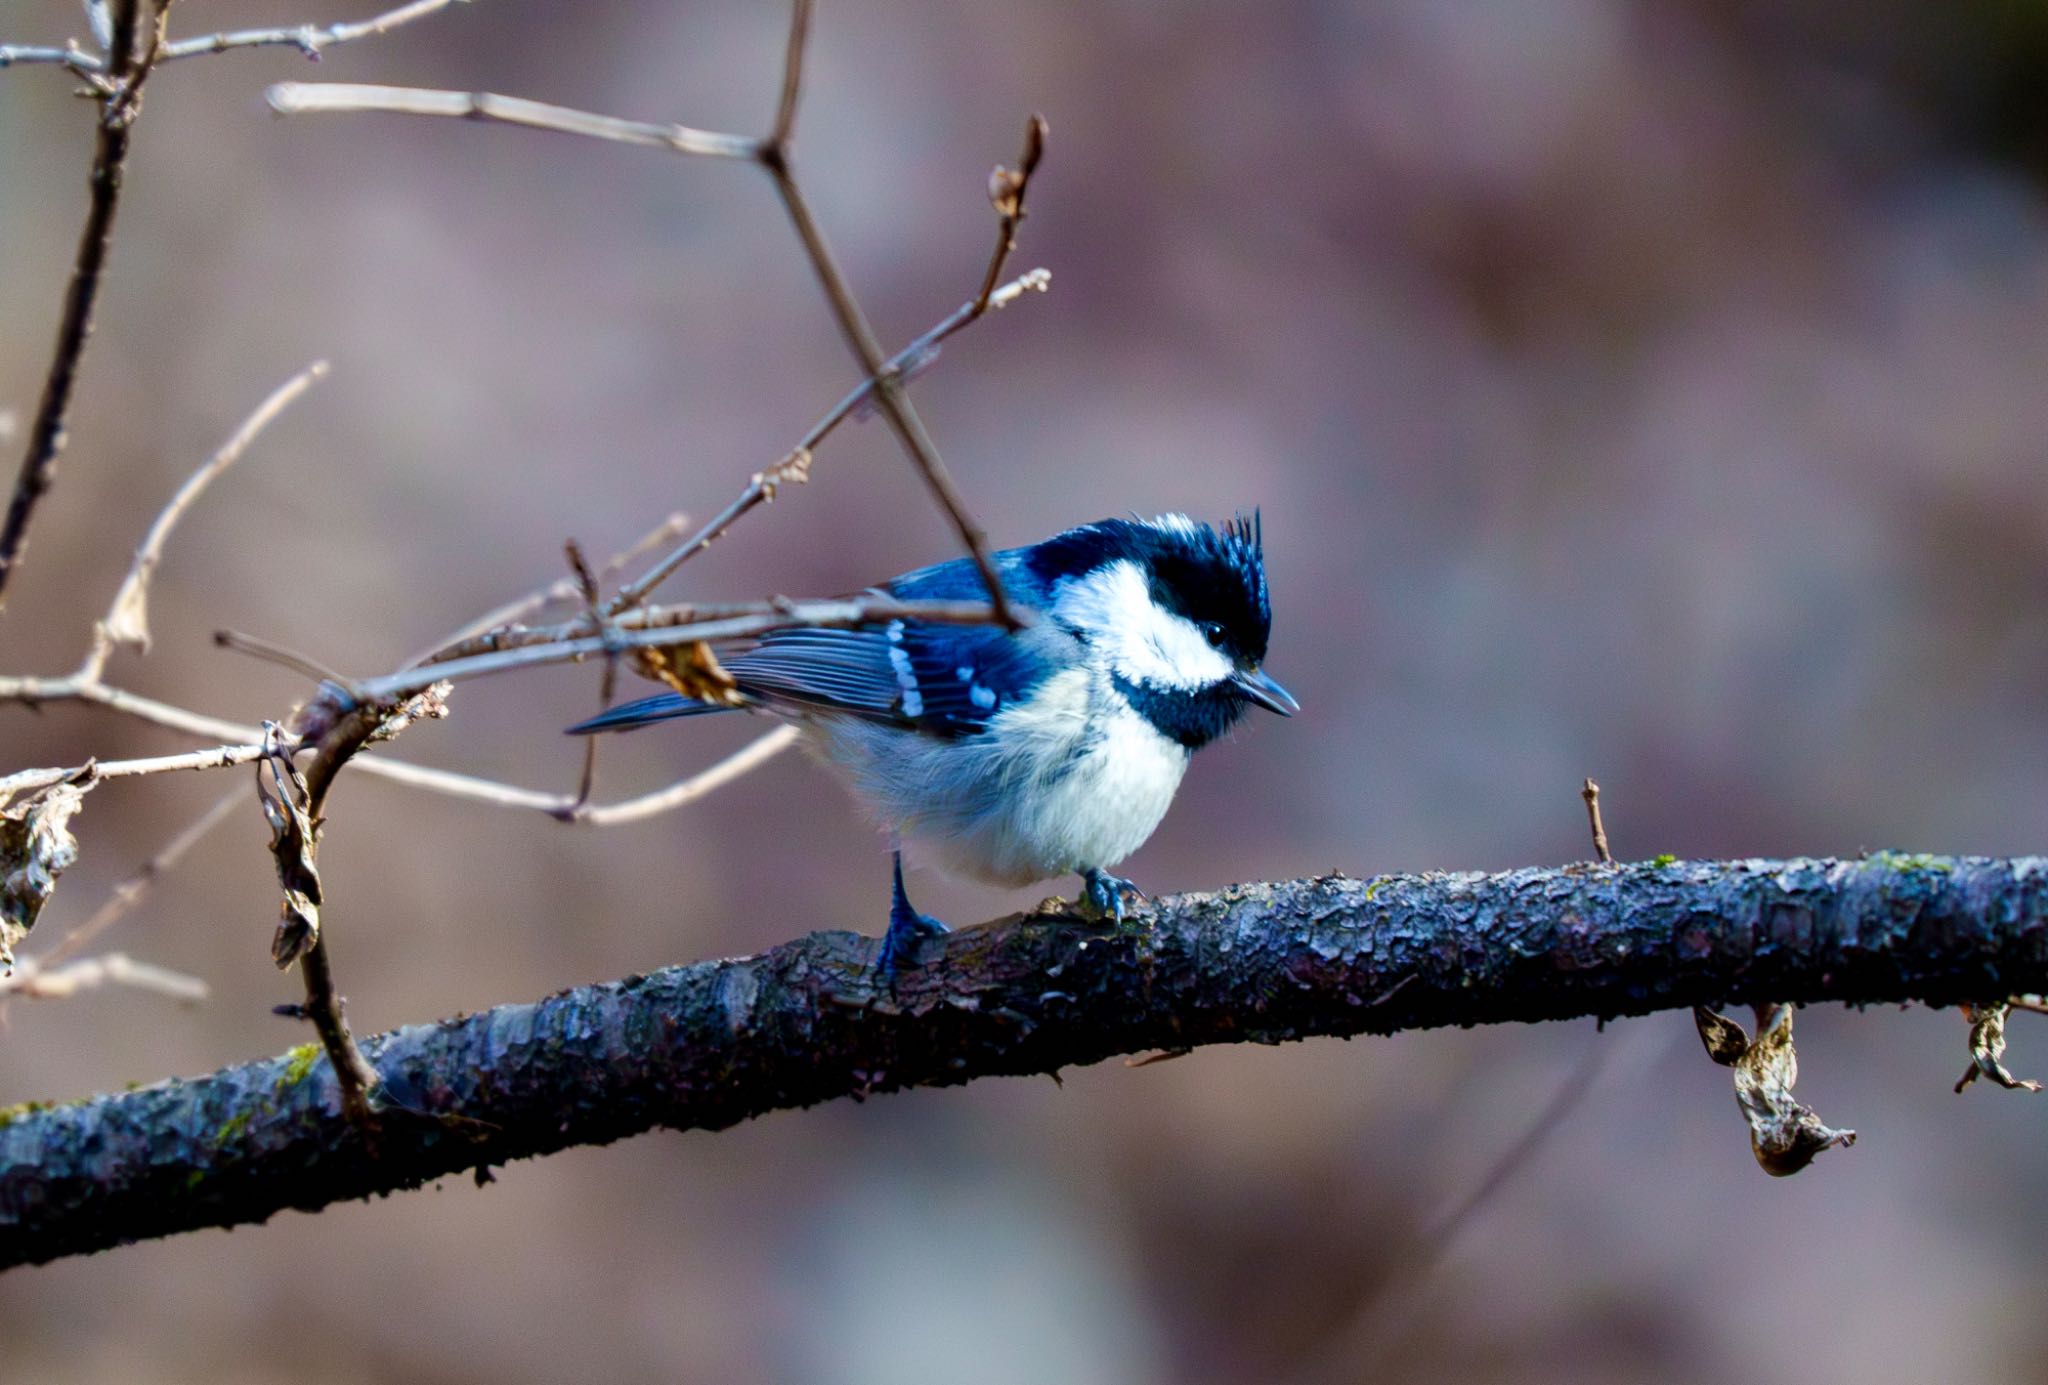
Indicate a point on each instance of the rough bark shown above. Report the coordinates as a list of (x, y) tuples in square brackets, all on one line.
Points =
[(709, 1045)]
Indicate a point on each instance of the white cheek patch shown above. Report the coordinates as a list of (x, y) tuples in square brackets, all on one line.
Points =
[(1133, 635)]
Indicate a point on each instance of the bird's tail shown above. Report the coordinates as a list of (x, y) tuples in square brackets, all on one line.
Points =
[(645, 712)]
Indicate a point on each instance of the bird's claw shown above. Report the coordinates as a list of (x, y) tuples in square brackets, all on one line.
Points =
[(907, 929), (1107, 893)]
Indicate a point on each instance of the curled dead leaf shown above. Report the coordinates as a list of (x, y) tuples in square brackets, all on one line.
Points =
[(1783, 1134), (691, 669), (1987, 1048), (283, 792), (36, 846)]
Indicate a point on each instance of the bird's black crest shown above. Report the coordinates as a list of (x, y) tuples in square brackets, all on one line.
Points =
[(1209, 575)]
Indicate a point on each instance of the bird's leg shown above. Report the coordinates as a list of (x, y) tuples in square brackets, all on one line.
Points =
[(1107, 892), (907, 927)]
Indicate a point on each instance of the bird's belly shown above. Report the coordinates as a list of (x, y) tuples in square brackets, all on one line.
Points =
[(1101, 808), (1055, 789)]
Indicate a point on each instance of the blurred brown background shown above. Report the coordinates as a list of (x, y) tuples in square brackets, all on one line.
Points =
[(1652, 391)]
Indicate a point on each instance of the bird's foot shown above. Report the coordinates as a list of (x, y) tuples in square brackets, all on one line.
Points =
[(1106, 893), (907, 929)]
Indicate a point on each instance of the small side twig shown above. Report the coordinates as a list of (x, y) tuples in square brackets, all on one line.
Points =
[(35, 979), (1591, 793), (270, 652), (1006, 189), (297, 846), (309, 39), (608, 685), (127, 618), (299, 98)]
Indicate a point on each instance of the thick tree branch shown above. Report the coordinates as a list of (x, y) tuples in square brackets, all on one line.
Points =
[(709, 1045)]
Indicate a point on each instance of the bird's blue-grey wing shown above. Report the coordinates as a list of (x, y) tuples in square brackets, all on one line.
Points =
[(945, 680)]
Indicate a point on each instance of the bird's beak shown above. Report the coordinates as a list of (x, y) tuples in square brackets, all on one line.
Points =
[(1258, 687)]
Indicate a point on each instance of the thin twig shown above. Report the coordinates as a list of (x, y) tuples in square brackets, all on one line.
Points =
[(126, 72), (835, 614), (36, 980), (562, 589), (247, 745), (1591, 793), (895, 404), (608, 686), (307, 38), (99, 21), (792, 76), (772, 154), (213, 757), (763, 485), (742, 761), (70, 55), (270, 652), (761, 488), (1006, 189), (306, 98), (324, 1006), (127, 618)]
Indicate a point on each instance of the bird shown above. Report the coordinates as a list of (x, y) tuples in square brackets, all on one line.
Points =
[(1023, 754)]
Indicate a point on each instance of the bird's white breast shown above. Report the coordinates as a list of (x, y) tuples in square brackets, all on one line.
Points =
[(1065, 780)]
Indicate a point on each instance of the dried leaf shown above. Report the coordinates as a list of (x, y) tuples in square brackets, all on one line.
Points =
[(1784, 1135), (284, 794), (1987, 1047), (36, 846), (1725, 1040), (692, 670)]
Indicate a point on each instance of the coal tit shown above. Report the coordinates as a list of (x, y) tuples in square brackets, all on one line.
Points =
[(1020, 755)]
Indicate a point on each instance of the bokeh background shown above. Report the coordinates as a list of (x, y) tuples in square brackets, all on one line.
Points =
[(1646, 390)]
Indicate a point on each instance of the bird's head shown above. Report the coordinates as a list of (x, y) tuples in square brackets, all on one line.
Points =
[(1176, 612)]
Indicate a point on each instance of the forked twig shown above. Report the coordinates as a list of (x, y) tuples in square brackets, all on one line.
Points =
[(772, 153)]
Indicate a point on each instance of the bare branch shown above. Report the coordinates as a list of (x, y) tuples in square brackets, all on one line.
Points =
[(773, 155), (36, 980), (792, 75), (895, 404), (1006, 189), (70, 55), (306, 98), (742, 761), (214, 757), (834, 614), (127, 619), (307, 38), (99, 20), (125, 74), (761, 489)]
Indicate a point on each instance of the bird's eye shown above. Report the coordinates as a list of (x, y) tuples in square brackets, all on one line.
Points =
[(1213, 633)]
